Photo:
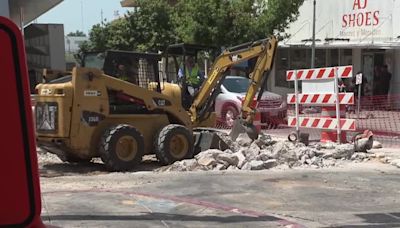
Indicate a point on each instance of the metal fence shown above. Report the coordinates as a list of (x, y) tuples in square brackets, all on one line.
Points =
[(380, 114)]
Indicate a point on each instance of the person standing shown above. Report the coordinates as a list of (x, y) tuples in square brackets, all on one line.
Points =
[(386, 77), (378, 82)]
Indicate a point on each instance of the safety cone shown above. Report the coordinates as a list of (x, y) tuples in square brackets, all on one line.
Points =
[(331, 135)]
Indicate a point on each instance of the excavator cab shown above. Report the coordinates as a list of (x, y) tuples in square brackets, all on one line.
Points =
[(176, 55)]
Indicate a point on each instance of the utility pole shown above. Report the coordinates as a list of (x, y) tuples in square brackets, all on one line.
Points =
[(101, 16), (313, 38), (83, 27)]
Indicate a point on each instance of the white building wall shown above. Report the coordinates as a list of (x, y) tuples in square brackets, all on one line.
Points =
[(4, 8), (373, 21), (56, 47), (360, 24)]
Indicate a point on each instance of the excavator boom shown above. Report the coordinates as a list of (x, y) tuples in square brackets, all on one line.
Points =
[(264, 51)]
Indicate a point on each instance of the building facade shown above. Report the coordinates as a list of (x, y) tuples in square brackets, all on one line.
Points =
[(362, 33), (22, 12)]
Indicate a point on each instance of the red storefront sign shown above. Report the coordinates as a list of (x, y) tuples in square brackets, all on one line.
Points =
[(360, 16)]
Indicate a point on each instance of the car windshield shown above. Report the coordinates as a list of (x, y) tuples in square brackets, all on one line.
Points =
[(237, 84)]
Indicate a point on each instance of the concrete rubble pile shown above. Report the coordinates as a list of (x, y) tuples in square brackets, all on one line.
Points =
[(265, 153)]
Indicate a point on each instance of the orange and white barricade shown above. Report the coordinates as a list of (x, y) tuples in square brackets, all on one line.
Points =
[(333, 120)]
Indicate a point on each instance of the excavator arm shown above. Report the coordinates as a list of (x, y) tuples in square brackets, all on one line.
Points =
[(264, 50)]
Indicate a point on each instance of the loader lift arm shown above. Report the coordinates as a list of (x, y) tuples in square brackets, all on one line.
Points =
[(263, 49)]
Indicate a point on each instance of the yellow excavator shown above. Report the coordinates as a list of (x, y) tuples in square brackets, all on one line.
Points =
[(119, 119)]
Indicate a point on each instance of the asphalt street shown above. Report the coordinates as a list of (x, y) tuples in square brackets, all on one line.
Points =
[(355, 195)]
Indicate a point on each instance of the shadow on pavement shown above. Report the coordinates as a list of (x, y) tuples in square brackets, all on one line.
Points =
[(373, 220), (89, 168), (161, 216)]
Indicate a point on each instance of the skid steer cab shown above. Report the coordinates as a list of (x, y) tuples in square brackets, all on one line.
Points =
[(19, 179), (178, 56)]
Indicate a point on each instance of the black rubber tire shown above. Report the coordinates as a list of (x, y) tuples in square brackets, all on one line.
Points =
[(163, 140), (108, 143), (227, 108)]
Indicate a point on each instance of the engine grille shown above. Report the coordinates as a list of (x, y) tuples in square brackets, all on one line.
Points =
[(269, 103)]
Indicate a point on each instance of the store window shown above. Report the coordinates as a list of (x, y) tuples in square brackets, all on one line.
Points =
[(300, 58), (320, 58), (346, 57), (282, 65), (333, 57)]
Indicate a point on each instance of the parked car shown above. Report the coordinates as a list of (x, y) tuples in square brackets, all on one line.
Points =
[(228, 103)]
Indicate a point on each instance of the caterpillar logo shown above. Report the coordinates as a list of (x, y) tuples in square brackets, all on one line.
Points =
[(46, 116)]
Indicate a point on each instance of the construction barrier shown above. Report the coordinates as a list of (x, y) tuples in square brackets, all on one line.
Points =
[(332, 121)]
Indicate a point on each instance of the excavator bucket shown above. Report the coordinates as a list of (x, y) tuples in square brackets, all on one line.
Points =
[(240, 126), (207, 138)]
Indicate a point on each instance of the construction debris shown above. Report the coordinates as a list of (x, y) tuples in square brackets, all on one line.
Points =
[(265, 153)]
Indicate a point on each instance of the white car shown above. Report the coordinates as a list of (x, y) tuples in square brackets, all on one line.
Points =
[(273, 107)]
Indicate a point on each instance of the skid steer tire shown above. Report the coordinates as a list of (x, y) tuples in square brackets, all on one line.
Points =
[(121, 147), (174, 142)]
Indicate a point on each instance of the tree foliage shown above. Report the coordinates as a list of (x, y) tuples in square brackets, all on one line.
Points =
[(218, 22), (77, 33)]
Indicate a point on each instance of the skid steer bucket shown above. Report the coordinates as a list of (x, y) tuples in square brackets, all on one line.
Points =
[(207, 138)]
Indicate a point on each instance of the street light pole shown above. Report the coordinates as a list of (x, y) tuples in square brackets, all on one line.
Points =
[(313, 38)]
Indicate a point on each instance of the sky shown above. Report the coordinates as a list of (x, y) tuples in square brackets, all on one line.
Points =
[(81, 14)]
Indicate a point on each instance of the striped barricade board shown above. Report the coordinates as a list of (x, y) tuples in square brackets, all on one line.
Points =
[(322, 123), (320, 73), (321, 99)]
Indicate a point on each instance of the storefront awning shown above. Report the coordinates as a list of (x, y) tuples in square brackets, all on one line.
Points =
[(342, 44), (31, 9)]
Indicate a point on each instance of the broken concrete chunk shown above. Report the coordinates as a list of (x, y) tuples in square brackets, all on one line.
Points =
[(279, 148), (264, 140), (328, 145), (376, 145), (241, 159), (380, 155), (228, 151), (396, 163), (209, 153), (270, 164), (343, 151), (231, 159), (244, 140), (256, 165), (252, 152), (220, 167), (260, 165), (263, 157), (207, 161), (359, 156)]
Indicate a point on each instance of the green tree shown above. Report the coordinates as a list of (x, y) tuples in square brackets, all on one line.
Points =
[(77, 33), (229, 22), (148, 29), (153, 25), (158, 23)]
